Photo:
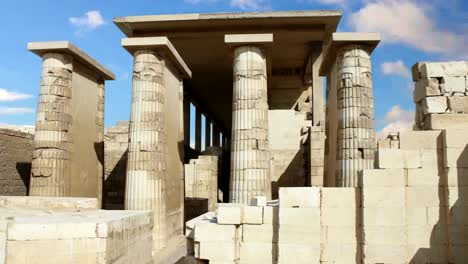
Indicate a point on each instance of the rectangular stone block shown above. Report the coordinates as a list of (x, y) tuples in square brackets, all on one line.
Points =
[(457, 196), (217, 251), (339, 216), (443, 69), (445, 121), (229, 214), (457, 176), (384, 254), (413, 140), (260, 233), (383, 178), (398, 159), (390, 216), (256, 252), (432, 159), (385, 235), (341, 253), (299, 234), (340, 197), (425, 196), (304, 197), (426, 177), (214, 232), (299, 254), (433, 254), (456, 158), (427, 236), (305, 217), (453, 84), (434, 105), (252, 215), (383, 197), (455, 138), (458, 104), (426, 87), (341, 235)]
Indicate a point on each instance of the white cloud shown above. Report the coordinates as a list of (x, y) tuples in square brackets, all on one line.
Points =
[(397, 119), (23, 128), (329, 2), (89, 21), (10, 96), (396, 68), (410, 23), (15, 110), (250, 4)]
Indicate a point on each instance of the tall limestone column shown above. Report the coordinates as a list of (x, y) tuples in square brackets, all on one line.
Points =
[(52, 138), (356, 140), (250, 172), (147, 153)]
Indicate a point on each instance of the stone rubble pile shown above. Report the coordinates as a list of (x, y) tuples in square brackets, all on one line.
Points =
[(440, 94)]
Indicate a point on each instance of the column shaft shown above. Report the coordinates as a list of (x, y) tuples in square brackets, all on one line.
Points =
[(146, 168), (250, 175), (198, 129), (207, 133), (100, 140), (216, 136), (356, 136), (52, 139)]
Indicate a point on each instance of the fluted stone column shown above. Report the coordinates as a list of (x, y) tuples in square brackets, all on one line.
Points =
[(148, 147), (250, 173), (356, 135), (52, 138), (146, 168)]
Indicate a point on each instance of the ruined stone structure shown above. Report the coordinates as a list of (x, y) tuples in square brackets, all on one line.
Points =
[(69, 138), (15, 162), (224, 111)]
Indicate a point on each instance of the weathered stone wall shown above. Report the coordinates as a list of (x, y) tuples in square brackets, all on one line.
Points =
[(115, 169), (441, 94), (15, 162), (201, 179)]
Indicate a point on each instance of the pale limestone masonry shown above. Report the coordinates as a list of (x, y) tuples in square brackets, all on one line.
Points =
[(69, 149), (441, 94), (148, 146), (201, 179), (250, 172), (115, 160), (15, 162), (71, 230)]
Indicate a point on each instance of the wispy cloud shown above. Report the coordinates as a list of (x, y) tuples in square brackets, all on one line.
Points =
[(11, 96), (408, 22), (397, 119), (341, 3), (246, 5), (88, 22), (15, 110), (396, 68)]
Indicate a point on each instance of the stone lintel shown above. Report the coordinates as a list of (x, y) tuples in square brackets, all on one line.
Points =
[(158, 43), (41, 48), (338, 39), (244, 39)]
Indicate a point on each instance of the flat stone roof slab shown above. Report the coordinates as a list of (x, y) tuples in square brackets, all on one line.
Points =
[(40, 48), (134, 44), (129, 24), (342, 38)]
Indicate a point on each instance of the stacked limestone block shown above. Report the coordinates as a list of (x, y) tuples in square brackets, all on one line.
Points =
[(356, 143), (71, 230), (441, 94), (455, 142), (299, 225), (317, 156), (250, 173), (392, 141), (116, 147), (15, 162), (201, 179), (341, 240), (52, 139)]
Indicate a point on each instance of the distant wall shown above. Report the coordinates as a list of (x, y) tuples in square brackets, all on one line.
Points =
[(15, 162)]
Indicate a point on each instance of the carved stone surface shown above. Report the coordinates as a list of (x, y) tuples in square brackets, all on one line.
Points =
[(53, 142), (250, 175), (356, 141), (146, 167)]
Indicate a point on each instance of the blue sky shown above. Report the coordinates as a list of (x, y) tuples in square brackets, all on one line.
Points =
[(413, 30)]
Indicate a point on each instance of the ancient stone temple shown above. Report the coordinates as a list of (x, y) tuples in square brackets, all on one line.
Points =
[(251, 139)]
